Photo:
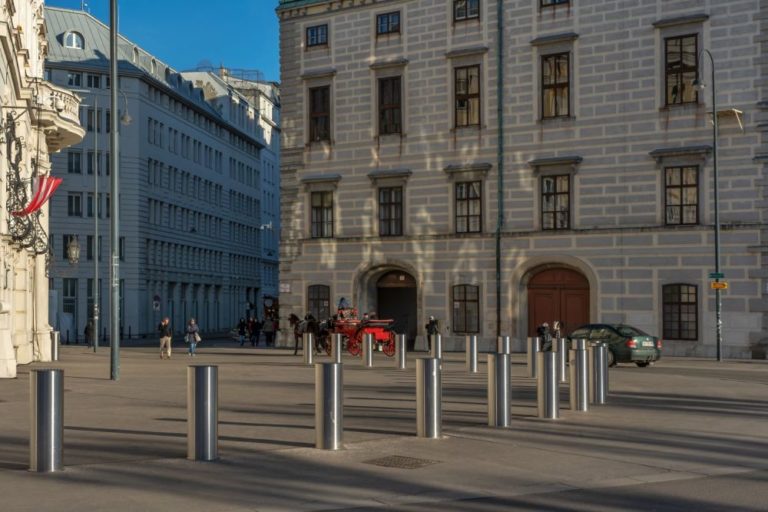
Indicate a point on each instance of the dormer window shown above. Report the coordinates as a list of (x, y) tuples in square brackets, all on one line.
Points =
[(74, 40)]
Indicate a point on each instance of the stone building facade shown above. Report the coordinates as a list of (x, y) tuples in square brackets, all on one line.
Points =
[(36, 118), (398, 116), (190, 190)]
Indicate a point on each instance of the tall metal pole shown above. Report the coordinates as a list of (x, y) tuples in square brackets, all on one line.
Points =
[(96, 255), (718, 292), (114, 157), (500, 153)]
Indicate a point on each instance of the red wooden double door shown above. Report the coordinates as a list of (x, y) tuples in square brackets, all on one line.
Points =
[(558, 294)]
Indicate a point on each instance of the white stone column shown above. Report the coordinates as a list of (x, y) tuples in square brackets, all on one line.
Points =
[(7, 353), (41, 330)]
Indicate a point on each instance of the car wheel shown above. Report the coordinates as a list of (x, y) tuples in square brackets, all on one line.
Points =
[(611, 359), (642, 364)]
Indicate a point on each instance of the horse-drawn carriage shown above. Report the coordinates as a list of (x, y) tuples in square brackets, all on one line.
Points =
[(353, 329)]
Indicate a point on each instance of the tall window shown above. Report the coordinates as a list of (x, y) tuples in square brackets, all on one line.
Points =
[(467, 90), (320, 113), (556, 202), (681, 193), (391, 211), (388, 23), (555, 85), (74, 162), (680, 307), (469, 207), (389, 105), (75, 204), (93, 81), (74, 79), (317, 35), (319, 301), (466, 308), (466, 9), (322, 214), (680, 69)]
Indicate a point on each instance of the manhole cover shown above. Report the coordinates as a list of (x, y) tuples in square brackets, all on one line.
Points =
[(398, 461)]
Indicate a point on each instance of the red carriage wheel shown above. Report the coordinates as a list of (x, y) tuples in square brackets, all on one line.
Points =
[(355, 343), (389, 345)]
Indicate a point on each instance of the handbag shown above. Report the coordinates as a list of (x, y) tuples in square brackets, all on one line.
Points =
[(197, 338)]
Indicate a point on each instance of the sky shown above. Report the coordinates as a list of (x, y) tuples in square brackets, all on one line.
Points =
[(239, 34)]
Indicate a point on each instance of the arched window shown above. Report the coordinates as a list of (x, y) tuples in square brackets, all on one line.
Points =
[(680, 312), (466, 308), (74, 40), (319, 301)]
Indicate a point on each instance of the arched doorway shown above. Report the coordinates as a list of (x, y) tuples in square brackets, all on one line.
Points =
[(558, 294), (396, 299)]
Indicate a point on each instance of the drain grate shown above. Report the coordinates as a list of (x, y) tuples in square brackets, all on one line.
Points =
[(401, 462)]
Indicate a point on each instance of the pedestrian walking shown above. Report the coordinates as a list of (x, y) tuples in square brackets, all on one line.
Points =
[(431, 329), (242, 330), (89, 333), (192, 336), (166, 334), (546, 337), (254, 330), (269, 331)]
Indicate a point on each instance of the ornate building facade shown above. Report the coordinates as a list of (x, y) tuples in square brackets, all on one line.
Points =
[(37, 118), (501, 163)]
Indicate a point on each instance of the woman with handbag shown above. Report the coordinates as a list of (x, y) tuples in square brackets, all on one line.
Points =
[(193, 336)]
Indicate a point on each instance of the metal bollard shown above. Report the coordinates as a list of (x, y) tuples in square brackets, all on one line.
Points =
[(336, 346), (46, 425), (472, 353), (534, 347), (329, 406), (429, 417), (561, 348), (55, 341), (579, 363), (309, 347), (368, 350), (203, 412), (498, 390), (503, 345), (598, 384), (548, 386), (400, 351), (436, 346)]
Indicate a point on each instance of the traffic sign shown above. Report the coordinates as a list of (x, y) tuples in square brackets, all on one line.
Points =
[(716, 275), (718, 285)]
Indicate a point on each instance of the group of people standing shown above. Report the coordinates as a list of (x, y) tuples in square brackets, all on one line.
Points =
[(252, 328)]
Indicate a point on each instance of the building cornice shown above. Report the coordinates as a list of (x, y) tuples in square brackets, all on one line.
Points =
[(681, 20), (321, 178), (319, 73), (683, 151), (537, 164), (466, 52), (389, 63), (381, 174), (565, 37)]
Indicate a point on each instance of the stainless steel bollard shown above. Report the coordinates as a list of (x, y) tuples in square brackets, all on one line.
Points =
[(499, 383), (472, 353), (579, 364), (503, 345), (561, 348), (598, 384), (55, 342), (336, 347), (46, 425), (329, 406), (548, 386), (309, 347), (368, 350), (203, 412), (436, 346), (400, 351), (534, 347), (429, 391)]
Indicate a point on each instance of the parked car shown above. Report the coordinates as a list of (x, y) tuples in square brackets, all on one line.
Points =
[(626, 344)]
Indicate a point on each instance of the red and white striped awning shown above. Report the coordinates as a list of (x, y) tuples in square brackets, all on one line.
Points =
[(43, 190)]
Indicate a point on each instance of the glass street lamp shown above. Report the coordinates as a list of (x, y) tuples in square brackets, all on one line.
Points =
[(73, 250)]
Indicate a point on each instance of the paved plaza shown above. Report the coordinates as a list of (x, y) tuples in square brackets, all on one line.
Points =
[(681, 435)]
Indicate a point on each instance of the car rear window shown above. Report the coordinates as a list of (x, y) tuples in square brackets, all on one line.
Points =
[(628, 331), (580, 333)]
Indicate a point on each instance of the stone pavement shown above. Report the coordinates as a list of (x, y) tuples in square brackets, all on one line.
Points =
[(682, 424)]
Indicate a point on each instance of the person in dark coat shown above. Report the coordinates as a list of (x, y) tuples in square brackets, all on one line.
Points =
[(432, 329)]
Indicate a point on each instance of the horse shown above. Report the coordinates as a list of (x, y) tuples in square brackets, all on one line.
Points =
[(298, 329)]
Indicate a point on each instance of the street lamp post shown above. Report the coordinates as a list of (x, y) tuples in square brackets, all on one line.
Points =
[(718, 274), (114, 156)]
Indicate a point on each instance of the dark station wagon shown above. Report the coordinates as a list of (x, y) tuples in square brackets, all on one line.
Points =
[(626, 344)]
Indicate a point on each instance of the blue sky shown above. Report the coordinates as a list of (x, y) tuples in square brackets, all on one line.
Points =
[(184, 33)]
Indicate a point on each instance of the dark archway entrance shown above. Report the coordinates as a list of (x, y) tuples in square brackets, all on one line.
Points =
[(558, 294), (396, 299)]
